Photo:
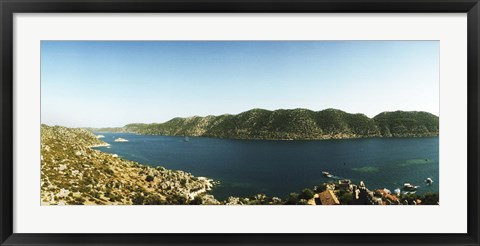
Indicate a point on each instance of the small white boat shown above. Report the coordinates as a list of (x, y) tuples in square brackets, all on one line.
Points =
[(327, 174), (410, 187), (121, 140), (429, 181)]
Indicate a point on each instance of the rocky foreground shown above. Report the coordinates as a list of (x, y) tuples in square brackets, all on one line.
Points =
[(73, 173)]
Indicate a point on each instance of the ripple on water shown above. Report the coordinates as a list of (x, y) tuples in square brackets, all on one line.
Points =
[(366, 169), (413, 162)]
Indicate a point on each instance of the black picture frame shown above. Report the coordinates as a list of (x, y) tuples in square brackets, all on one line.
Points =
[(9, 7)]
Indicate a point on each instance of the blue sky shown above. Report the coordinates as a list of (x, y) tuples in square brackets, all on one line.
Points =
[(102, 83)]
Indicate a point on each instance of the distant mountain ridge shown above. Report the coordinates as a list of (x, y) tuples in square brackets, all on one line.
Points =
[(293, 124)]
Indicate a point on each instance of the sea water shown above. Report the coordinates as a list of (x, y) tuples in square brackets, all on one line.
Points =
[(278, 168)]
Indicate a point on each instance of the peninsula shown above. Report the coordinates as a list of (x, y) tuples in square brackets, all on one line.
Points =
[(74, 173)]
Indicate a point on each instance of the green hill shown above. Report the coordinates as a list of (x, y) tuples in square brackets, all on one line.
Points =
[(407, 124), (295, 124)]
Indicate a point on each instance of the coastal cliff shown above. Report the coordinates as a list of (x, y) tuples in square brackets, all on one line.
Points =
[(294, 124), (74, 173)]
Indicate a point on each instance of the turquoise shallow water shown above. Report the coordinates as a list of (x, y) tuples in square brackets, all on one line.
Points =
[(277, 168)]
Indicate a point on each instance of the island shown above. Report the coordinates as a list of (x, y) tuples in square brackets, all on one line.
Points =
[(292, 124), (121, 140)]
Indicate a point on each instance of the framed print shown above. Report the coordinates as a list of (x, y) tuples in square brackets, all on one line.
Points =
[(265, 122)]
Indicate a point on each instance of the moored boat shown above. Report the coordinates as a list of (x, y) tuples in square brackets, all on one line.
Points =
[(327, 174), (410, 187)]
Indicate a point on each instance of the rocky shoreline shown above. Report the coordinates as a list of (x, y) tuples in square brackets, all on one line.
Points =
[(73, 173)]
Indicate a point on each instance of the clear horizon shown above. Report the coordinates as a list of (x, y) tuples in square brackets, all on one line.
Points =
[(114, 83)]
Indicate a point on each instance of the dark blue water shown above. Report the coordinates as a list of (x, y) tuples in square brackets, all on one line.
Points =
[(277, 168)]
